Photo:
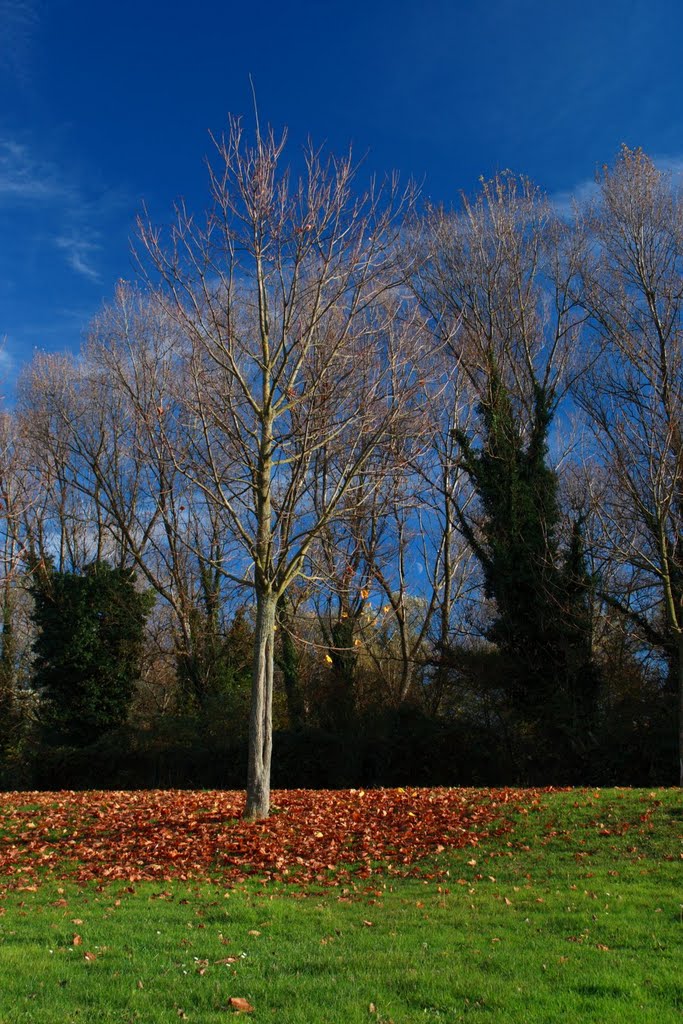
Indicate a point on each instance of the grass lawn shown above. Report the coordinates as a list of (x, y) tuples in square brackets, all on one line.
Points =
[(574, 915)]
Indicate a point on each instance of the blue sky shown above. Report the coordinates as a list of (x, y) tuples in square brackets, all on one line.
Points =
[(105, 106)]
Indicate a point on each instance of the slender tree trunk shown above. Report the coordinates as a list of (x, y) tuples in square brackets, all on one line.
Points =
[(261, 717), (343, 709), (288, 662), (680, 709), (9, 646), (7, 670), (8, 652)]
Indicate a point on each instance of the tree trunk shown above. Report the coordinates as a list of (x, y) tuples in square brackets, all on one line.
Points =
[(680, 709), (8, 651), (7, 671), (261, 716), (288, 662)]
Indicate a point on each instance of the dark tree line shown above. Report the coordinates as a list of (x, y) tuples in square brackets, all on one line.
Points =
[(402, 487)]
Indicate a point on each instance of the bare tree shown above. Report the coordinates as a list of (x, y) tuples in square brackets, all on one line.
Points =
[(110, 489), (287, 296), (497, 282), (15, 501), (443, 494), (393, 568), (633, 290), (135, 363), (341, 564), (63, 524)]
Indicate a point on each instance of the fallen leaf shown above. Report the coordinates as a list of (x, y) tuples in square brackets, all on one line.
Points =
[(90, 956), (240, 1005), (193, 825), (76, 940), (369, 924)]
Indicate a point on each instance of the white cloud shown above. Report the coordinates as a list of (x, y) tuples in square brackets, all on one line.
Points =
[(6, 359), (672, 165), (23, 178), (71, 214), (564, 202), (584, 191), (19, 20), (79, 252)]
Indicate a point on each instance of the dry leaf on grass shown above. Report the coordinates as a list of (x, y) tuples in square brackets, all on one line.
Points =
[(240, 1005), (106, 839)]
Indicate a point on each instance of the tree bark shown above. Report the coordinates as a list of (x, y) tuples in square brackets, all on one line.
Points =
[(288, 662), (680, 709), (260, 719)]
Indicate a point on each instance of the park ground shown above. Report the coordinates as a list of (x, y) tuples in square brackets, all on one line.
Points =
[(386, 906)]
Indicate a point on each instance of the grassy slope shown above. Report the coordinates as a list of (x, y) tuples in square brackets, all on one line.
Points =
[(577, 914)]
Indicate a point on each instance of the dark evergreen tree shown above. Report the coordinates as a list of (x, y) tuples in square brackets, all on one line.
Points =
[(542, 629), (88, 649)]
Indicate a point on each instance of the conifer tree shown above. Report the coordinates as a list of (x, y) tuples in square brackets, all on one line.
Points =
[(88, 649), (542, 627)]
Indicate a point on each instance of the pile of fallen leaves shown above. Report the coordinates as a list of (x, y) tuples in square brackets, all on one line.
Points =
[(319, 836)]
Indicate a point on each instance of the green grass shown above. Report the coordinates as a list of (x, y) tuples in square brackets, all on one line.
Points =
[(577, 915)]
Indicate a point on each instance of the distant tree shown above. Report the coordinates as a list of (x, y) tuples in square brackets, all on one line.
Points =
[(632, 277), (65, 523), (542, 596), (288, 661), (497, 283), (298, 342), (105, 487), (90, 629), (15, 501)]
